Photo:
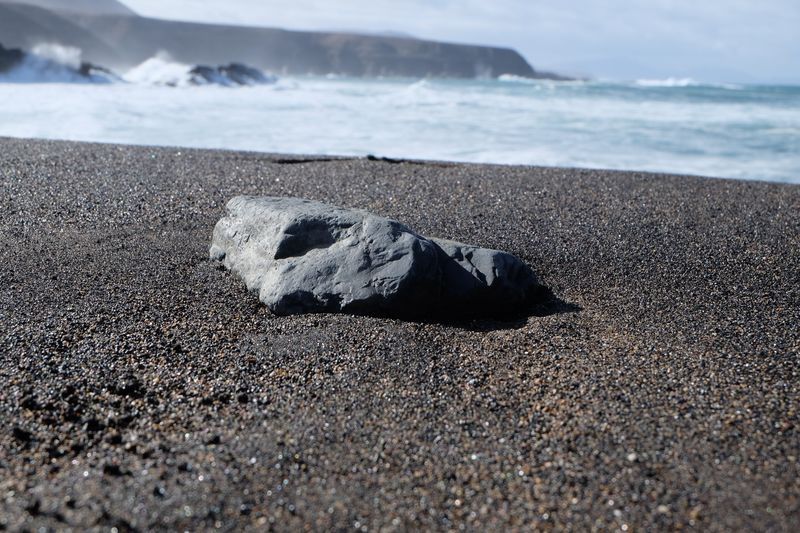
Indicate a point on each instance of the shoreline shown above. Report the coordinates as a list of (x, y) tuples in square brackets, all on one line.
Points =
[(300, 158), (144, 387)]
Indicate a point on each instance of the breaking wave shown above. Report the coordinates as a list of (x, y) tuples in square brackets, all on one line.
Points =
[(163, 71), (513, 78), (684, 83), (667, 82), (68, 56), (159, 70), (51, 63)]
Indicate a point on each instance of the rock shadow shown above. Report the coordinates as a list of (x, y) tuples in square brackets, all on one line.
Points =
[(543, 303)]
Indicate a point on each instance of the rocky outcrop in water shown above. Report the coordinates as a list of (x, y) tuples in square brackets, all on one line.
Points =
[(18, 65), (302, 256), (229, 75), (10, 58), (162, 71), (95, 72)]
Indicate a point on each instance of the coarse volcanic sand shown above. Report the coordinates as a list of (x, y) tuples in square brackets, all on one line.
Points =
[(143, 387)]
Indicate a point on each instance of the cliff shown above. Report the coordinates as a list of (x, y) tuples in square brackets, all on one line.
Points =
[(109, 35)]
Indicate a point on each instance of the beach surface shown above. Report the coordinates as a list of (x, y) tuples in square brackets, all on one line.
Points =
[(141, 386)]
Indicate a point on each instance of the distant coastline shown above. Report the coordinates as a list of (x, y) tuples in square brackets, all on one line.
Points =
[(114, 37)]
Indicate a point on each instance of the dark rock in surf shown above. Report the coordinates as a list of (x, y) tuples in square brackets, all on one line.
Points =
[(229, 75), (245, 75), (10, 58), (92, 71), (28, 66)]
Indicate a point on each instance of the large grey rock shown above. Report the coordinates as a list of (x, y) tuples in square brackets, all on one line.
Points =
[(303, 256)]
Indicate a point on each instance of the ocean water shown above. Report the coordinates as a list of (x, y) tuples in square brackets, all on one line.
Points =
[(675, 126)]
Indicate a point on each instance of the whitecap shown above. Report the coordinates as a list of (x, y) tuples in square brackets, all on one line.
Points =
[(667, 82), (513, 78), (159, 70)]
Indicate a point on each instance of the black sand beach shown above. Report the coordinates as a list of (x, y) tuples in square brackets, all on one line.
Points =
[(142, 387)]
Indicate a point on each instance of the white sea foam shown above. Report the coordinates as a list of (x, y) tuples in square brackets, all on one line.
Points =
[(68, 56), (601, 125), (513, 78), (667, 82), (52, 63), (685, 82), (164, 71), (35, 68), (159, 70)]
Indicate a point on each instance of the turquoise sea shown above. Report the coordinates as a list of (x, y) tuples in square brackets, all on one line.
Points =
[(673, 125)]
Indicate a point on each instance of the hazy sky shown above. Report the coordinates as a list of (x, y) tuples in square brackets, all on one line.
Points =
[(710, 40)]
